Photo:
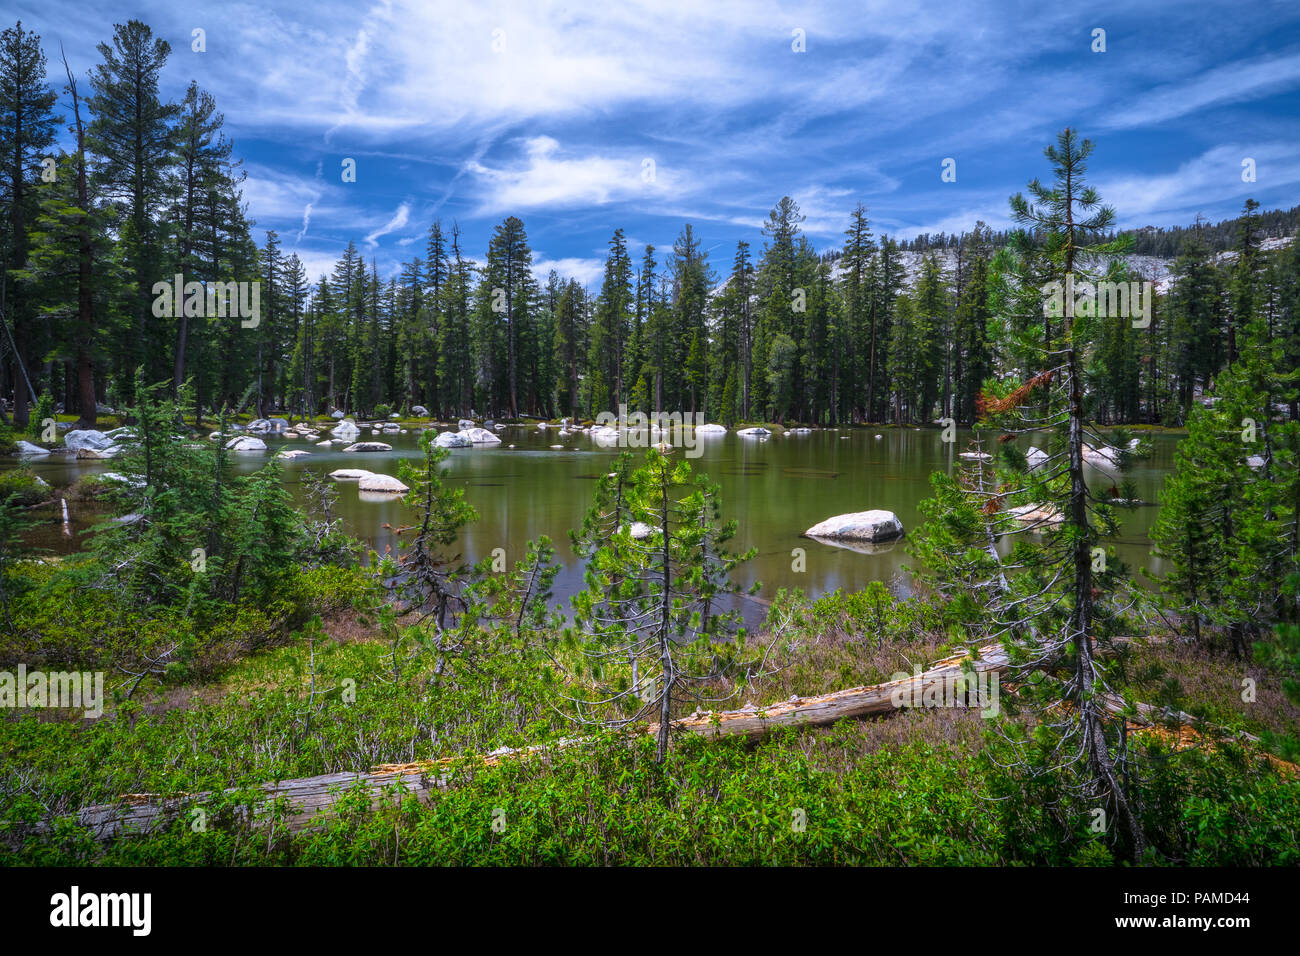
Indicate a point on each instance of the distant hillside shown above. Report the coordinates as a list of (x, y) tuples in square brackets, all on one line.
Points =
[(1156, 268), (1153, 241)]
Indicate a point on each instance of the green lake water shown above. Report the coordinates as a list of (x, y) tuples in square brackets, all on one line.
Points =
[(775, 488)]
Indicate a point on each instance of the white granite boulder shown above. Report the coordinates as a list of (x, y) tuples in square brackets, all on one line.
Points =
[(386, 484), (876, 525), (246, 443), (347, 430), (78, 440), (481, 436), (452, 440)]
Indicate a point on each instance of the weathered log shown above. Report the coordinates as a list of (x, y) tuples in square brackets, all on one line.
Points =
[(854, 702)]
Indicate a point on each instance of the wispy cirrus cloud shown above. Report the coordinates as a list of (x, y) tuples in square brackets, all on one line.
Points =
[(399, 219), (1230, 83), (546, 177)]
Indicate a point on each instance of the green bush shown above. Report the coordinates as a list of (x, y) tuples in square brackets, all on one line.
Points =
[(24, 487)]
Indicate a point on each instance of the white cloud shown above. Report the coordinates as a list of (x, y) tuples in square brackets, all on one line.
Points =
[(306, 221), (1209, 180), (1226, 84), (588, 272), (545, 178), (399, 220)]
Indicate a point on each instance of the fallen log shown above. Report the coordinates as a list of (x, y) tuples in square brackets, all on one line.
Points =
[(309, 800), (876, 699)]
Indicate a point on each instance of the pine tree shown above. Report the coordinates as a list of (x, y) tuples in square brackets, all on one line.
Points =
[(609, 330), (655, 591), (27, 124), (71, 261), (202, 164), (1056, 614), (973, 358), (131, 138), (857, 334)]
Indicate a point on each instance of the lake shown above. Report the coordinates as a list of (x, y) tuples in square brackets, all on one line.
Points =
[(776, 488)]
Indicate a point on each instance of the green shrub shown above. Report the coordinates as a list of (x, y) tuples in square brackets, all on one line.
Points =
[(26, 488)]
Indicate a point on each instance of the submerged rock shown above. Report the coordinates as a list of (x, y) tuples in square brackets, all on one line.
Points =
[(261, 426), (369, 446), (96, 454), (1036, 514)]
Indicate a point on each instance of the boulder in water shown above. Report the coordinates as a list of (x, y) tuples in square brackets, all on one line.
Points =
[(88, 439), (876, 525), (386, 484), (369, 446), (347, 430), (480, 436), (246, 443)]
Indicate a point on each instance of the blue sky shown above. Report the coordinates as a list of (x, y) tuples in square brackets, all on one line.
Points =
[(550, 111)]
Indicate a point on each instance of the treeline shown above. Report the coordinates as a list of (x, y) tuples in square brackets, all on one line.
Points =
[(1166, 242), (873, 330), (789, 334)]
